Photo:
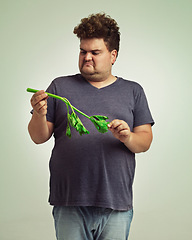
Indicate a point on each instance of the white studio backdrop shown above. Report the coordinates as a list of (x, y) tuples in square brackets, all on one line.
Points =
[(37, 45)]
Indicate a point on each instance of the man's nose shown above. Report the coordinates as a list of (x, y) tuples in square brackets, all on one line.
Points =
[(88, 56)]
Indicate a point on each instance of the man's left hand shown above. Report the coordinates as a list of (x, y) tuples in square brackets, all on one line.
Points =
[(137, 141), (120, 129)]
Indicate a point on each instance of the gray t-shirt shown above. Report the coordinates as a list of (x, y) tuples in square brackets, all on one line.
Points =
[(95, 169)]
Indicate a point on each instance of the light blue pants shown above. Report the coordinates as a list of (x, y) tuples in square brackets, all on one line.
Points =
[(91, 223)]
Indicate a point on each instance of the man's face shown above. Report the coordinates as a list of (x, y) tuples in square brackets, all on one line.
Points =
[(95, 60)]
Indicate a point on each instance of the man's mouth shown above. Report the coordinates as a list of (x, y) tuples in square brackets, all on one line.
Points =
[(88, 64)]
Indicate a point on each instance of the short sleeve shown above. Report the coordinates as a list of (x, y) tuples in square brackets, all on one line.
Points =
[(142, 114)]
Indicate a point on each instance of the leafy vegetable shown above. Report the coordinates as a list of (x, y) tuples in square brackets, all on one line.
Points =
[(73, 120), (77, 124), (68, 130), (100, 123)]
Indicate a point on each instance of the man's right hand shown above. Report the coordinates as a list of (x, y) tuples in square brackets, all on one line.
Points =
[(39, 128), (39, 103)]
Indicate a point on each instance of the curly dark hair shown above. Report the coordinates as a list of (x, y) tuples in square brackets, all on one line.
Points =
[(100, 25)]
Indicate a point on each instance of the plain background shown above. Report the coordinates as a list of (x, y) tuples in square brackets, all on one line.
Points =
[(37, 45)]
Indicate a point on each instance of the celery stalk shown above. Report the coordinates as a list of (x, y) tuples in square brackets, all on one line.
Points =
[(98, 120)]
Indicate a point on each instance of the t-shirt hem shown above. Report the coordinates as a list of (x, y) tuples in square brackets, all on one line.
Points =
[(96, 204), (143, 123)]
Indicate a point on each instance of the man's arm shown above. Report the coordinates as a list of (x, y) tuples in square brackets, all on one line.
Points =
[(137, 141), (39, 128)]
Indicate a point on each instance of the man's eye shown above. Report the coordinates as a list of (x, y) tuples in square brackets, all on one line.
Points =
[(95, 53), (83, 52)]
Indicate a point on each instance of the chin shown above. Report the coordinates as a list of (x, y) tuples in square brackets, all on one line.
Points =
[(94, 77)]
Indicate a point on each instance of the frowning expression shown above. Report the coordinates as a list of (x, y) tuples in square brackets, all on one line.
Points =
[(95, 60)]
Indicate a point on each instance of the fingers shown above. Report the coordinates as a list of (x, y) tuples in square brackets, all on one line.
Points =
[(119, 126), (119, 129), (39, 102), (38, 96)]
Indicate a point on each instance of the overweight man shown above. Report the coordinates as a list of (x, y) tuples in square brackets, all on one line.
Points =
[(91, 176)]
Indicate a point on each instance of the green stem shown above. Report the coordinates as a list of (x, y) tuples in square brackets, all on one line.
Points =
[(60, 98)]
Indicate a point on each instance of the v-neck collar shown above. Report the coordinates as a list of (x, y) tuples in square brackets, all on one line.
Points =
[(99, 89)]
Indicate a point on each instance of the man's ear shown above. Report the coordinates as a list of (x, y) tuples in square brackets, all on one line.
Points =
[(113, 56)]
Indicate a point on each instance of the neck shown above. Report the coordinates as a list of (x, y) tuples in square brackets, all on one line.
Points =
[(102, 82)]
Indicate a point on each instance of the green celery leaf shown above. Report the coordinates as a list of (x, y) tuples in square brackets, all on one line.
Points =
[(68, 131), (77, 124), (101, 125), (99, 117), (72, 119)]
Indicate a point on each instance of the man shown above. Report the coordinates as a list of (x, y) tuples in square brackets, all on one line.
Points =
[(91, 176)]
